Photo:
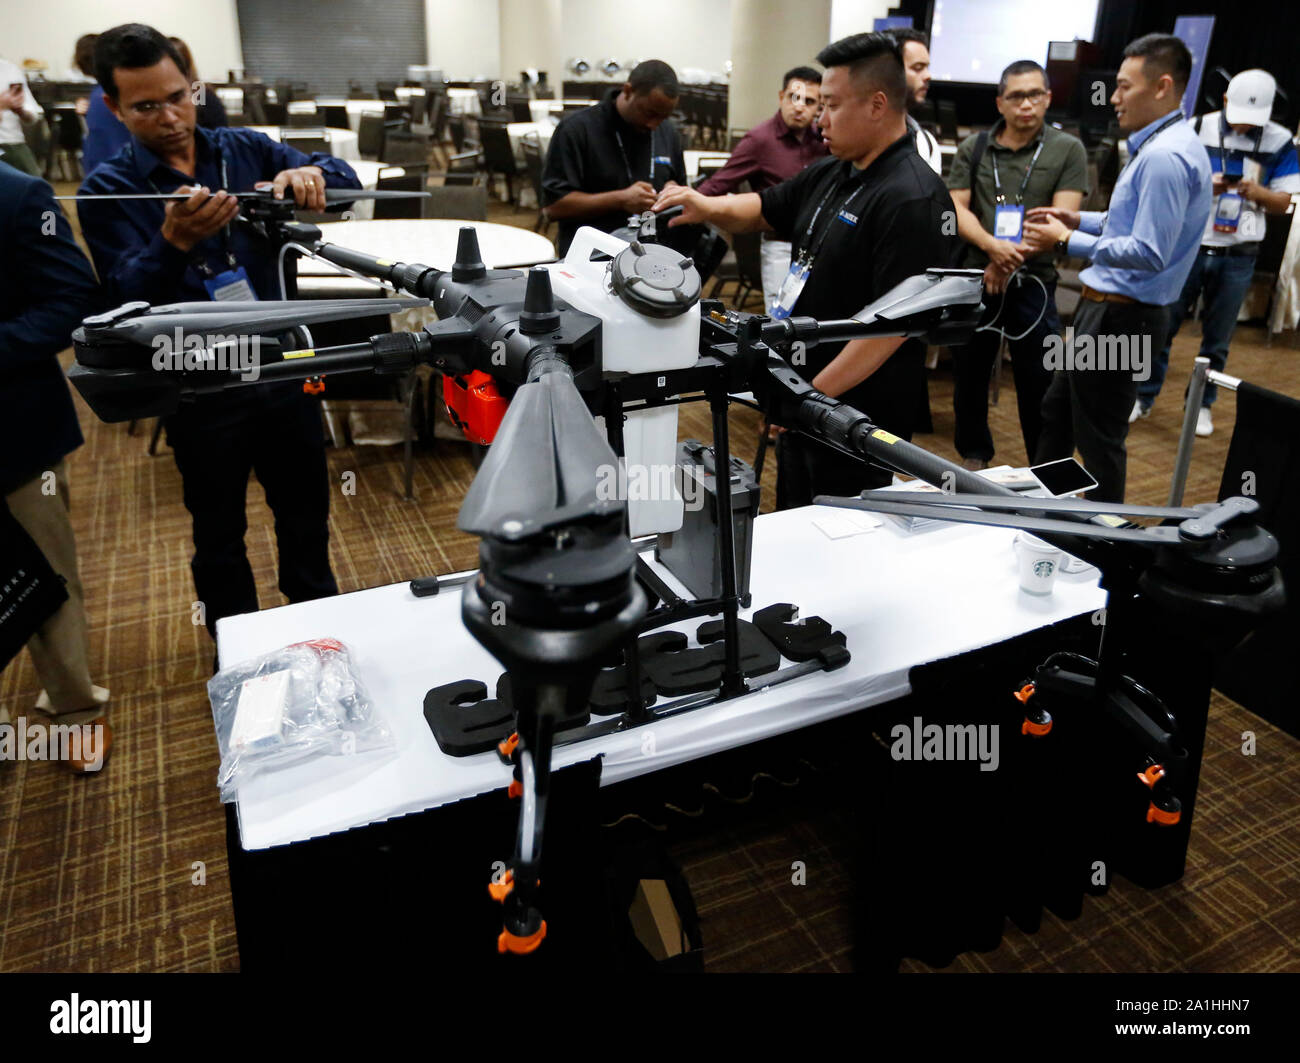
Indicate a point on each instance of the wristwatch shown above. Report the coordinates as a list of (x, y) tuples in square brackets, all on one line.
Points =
[(1064, 242)]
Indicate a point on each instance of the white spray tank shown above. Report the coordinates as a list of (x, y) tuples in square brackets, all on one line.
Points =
[(635, 340)]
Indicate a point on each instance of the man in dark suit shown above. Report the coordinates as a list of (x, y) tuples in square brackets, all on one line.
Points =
[(49, 289)]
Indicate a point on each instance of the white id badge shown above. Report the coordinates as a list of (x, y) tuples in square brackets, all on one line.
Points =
[(791, 288), (1228, 214), (233, 284), (1008, 221)]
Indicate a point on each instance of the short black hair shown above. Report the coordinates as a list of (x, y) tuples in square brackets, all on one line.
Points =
[(801, 73), (1020, 66), (1162, 53), (903, 34), (132, 46), (83, 54), (874, 57), (654, 74)]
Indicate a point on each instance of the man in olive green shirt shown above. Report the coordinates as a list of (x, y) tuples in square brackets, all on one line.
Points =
[(996, 177)]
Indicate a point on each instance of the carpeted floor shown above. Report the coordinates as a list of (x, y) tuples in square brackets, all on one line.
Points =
[(127, 871)]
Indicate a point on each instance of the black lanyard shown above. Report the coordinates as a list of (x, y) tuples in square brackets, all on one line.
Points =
[(628, 166), (1235, 152), (811, 250), (1174, 119), (999, 198), (197, 259)]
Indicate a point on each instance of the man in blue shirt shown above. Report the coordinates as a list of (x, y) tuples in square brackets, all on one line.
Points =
[(182, 250), (1255, 171), (1142, 250)]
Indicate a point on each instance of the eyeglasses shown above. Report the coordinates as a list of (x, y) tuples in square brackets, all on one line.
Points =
[(149, 108), (1017, 98)]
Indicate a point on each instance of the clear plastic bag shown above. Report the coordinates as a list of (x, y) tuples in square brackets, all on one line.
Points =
[(293, 704)]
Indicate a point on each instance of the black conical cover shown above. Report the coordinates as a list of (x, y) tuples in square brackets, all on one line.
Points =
[(469, 260), (539, 314), (547, 459)]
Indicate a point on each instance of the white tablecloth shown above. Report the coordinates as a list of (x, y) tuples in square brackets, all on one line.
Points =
[(232, 99), (519, 130), (433, 242), (694, 158), (542, 109), (355, 108), (342, 142), (902, 600), (463, 101)]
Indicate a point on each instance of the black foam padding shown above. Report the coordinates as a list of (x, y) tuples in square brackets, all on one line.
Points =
[(677, 669), (802, 641), (609, 692), (464, 720)]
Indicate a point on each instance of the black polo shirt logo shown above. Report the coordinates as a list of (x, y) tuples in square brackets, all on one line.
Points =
[(847, 216)]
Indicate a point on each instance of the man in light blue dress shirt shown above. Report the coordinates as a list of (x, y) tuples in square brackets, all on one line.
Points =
[(1142, 250)]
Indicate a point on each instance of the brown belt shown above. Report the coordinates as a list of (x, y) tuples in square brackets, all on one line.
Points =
[(1092, 295)]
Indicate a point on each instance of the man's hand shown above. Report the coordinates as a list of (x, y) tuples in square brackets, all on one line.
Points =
[(12, 99), (637, 197), (1068, 218), (1004, 255), (695, 207), (204, 214), (995, 280), (1248, 190), (1044, 235), (307, 184)]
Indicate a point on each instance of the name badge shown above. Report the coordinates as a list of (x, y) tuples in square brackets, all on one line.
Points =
[(791, 289), (1008, 221), (229, 286), (1228, 213)]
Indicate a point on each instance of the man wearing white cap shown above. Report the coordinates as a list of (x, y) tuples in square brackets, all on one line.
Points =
[(1255, 171)]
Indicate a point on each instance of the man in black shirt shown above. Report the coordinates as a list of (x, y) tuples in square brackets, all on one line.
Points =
[(612, 160), (861, 222)]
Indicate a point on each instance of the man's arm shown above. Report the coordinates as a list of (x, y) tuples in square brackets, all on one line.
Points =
[(58, 286), (1163, 202), (732, 214), (742, 165), (857, 360)]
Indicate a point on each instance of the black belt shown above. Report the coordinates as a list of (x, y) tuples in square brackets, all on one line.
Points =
[(1233, 250)]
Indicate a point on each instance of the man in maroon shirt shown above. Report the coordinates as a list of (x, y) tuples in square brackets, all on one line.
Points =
[(772, 152)]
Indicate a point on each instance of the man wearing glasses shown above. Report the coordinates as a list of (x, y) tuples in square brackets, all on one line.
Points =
[(190, 250), (1022, 162), (772, 152)]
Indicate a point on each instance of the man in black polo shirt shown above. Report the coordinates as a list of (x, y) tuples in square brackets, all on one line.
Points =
[(612, 160), (861, 222)]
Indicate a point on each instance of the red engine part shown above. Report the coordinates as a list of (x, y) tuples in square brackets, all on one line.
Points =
[(474, 405)]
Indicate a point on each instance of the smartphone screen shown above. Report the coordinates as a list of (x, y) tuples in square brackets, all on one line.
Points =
[(1063, 477)]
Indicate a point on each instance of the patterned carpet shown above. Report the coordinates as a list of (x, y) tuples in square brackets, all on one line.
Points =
[(127, 871)]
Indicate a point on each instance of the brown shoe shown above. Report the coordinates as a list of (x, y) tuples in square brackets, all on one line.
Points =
[(974, 464), (94, 754)]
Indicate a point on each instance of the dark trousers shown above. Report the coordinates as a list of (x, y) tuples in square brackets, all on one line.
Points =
[(1224, 280), (1022, 314), (274, 432), (1089, 407)]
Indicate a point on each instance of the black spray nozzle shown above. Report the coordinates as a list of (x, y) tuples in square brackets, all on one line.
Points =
[(469, 261), (539, 314)]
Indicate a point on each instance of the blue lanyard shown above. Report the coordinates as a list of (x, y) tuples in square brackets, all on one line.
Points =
[(197, 259)]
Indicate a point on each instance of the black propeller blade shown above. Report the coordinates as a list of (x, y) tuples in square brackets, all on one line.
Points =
[(138, 323), (332, 195)]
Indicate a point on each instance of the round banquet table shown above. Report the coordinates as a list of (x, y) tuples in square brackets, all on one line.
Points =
[(463, 101), (431, 242), (343, 142)]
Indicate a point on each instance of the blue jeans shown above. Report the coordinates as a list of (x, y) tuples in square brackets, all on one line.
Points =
[(1224, 279)]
